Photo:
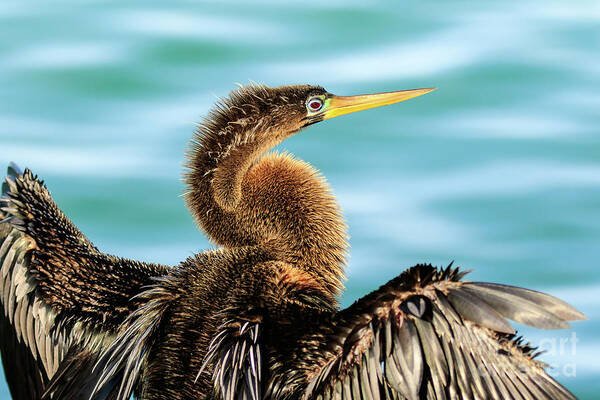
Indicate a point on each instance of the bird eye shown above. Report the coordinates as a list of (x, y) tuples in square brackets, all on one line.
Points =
[(314, 104)]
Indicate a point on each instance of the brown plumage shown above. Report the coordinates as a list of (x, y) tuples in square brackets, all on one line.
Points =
[(240, 197), (257, 317)]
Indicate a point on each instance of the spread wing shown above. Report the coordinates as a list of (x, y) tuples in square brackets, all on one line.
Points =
[(428, 335), (63, 300)]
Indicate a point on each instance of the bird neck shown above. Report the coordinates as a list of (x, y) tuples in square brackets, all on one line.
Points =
[(241, 196)]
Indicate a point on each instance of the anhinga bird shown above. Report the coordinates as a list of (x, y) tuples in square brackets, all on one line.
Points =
[(257, 318)]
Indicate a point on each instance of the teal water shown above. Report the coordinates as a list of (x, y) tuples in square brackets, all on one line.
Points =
[(498, 170)]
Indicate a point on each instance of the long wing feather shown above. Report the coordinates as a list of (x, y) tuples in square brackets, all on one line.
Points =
[(63, 300), (236, 359), (428, 335)]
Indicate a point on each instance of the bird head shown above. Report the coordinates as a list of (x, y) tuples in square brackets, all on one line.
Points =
[(280, 112)]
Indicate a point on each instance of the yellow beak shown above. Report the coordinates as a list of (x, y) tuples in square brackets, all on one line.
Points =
[(340, 105)]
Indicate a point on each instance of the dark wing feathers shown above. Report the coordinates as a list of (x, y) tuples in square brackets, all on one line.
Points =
[(70, 383), (63, 301), (77, 323), (528, 307), (474, 308), (427, 335), (119, 364), (235, 355), (20, 366)]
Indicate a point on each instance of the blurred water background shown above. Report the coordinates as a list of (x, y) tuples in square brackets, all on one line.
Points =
[(498, 170)]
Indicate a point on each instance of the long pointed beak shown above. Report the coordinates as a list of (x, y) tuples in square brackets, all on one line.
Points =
[(340, 105)]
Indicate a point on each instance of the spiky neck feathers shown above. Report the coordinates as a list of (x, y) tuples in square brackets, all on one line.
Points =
[(241, 197)]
